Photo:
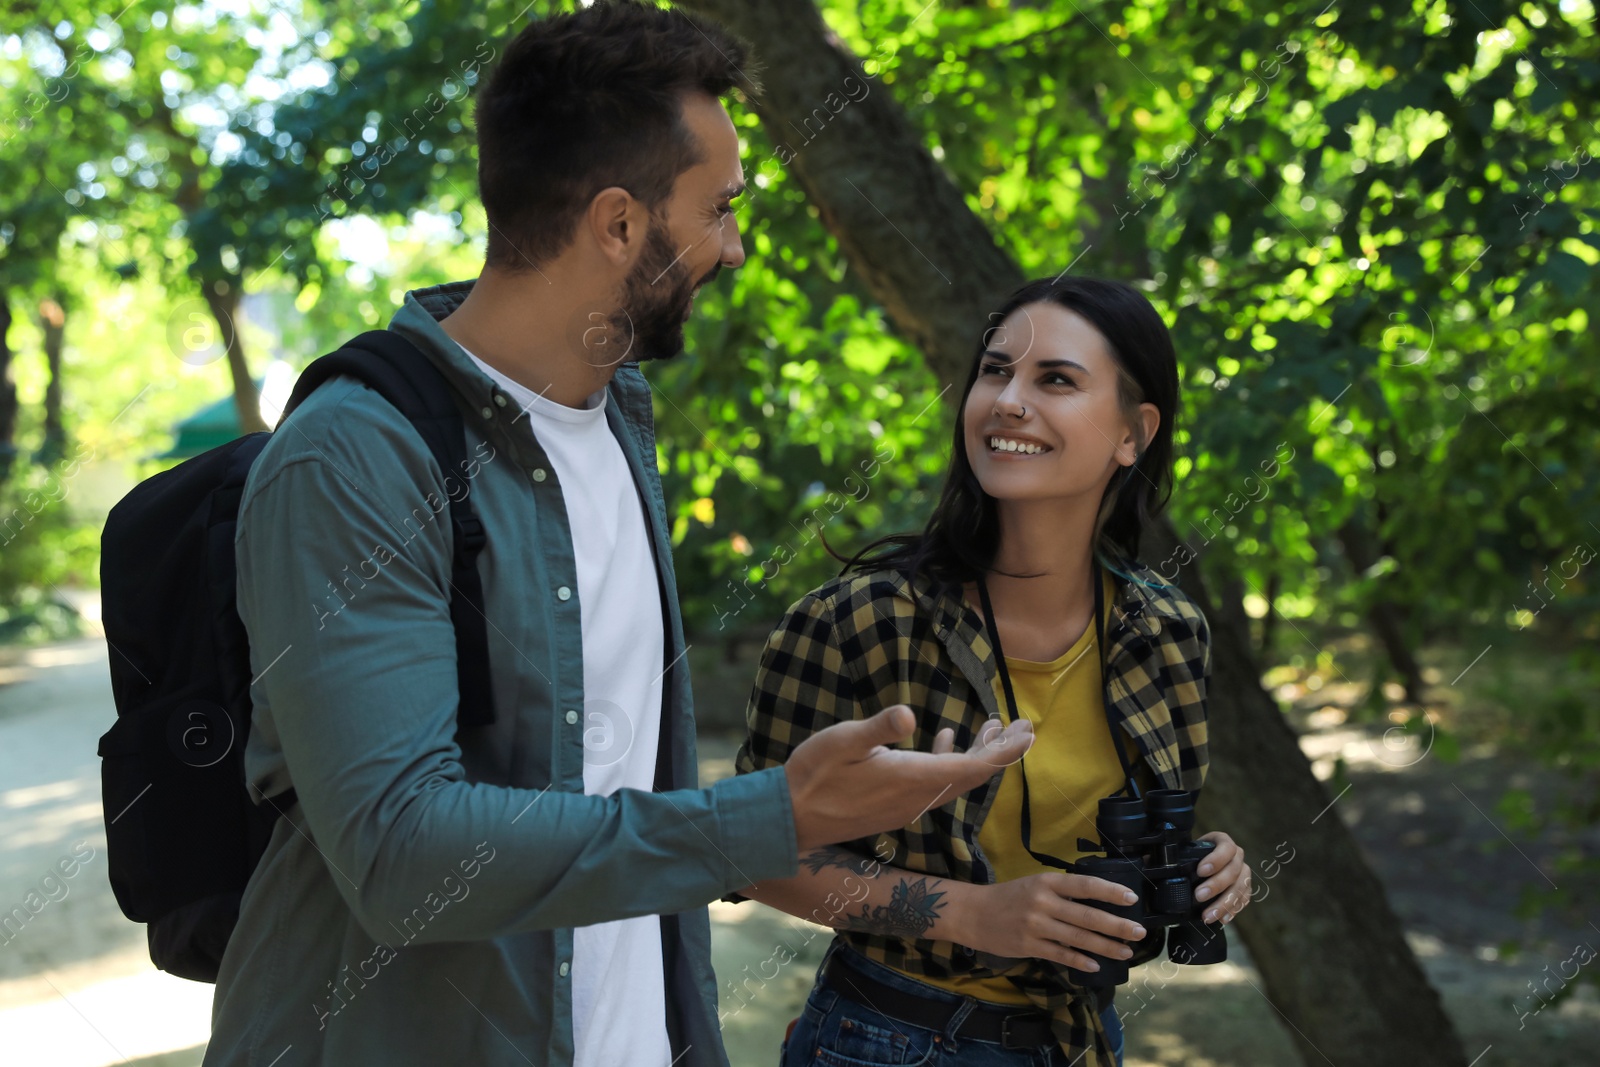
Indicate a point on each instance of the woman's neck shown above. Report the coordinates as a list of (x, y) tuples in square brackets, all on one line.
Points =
[(1050, 539)]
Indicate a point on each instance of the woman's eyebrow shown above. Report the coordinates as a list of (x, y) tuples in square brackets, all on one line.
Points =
[(1063, 363), (1042, 364)]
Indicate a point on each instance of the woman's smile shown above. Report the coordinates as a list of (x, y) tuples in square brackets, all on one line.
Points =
[(1014, 446)]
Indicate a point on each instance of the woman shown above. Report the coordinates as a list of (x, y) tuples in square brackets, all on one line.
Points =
[(961, 936)]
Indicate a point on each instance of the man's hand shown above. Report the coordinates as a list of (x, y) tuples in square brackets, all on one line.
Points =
[(1229, 885), (846, 783)]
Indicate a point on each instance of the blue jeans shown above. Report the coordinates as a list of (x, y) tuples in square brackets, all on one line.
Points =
[(838, 1031)]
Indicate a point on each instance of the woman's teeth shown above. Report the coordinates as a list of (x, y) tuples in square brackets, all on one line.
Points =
[(1000, 444)]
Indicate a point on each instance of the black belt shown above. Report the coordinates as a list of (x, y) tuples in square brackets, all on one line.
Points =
[(986, 1022)]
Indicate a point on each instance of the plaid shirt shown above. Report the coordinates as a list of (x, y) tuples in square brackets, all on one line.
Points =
[(861, 643)]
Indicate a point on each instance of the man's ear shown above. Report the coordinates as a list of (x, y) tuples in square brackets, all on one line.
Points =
[(617, 222)]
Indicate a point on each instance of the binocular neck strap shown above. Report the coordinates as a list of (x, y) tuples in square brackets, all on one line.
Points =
[(1011, 703)]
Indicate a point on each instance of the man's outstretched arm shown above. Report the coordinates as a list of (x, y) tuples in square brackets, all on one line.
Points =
[(363, 706)]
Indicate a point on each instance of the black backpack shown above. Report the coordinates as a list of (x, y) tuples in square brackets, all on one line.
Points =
[(182, 833)]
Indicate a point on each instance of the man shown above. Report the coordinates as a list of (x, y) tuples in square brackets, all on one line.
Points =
[(532, 891)]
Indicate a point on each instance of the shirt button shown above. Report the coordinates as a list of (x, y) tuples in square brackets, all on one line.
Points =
[(563, 593), (572, 717), (538, 474), (500, 399), (488, 413), (564, 968)]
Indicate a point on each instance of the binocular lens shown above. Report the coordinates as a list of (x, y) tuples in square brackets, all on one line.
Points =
[(1175, 806), (1195, 942), (1121, 819)]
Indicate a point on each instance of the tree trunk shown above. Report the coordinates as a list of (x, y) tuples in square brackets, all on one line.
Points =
[(220, 290), (1269, 621), (1333, 957), (1386, 618), (1332, 953), (53, 322), (8, 394), (222, 297), (884, 199)]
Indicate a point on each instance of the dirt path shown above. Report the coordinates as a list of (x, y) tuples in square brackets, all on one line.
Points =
[(76, 985)]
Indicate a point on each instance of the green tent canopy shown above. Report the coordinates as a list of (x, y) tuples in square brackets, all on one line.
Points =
[(215, 424)]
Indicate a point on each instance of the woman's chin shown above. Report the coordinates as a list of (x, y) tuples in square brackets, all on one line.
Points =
[(1015, 488)]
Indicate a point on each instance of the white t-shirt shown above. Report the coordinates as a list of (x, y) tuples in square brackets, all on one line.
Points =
[(618, 990)]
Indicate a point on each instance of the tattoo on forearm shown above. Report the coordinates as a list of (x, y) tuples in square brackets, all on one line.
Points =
[(911, 911), (819, 860)]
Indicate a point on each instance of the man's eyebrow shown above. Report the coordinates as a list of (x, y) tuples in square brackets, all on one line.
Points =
[(731, 191), (1008, 359)]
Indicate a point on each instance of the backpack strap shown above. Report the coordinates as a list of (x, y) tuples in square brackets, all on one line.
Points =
[(399, 372)]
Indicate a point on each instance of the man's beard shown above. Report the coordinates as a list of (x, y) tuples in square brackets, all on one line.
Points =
[(655, 299)]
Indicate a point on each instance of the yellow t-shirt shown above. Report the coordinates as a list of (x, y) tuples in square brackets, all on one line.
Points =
[(1071, 765)]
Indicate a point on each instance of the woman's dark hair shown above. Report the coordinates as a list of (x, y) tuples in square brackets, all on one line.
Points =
[(587, 100), (962, 536)]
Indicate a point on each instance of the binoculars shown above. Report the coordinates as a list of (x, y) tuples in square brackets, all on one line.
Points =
[(1146, 847)]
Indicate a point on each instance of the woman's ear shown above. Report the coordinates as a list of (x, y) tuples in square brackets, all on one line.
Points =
[(1134, 447)]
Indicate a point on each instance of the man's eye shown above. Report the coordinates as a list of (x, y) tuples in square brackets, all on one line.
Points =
[(725, 209)]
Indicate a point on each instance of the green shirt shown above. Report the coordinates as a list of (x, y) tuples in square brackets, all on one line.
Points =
[(416, 906)]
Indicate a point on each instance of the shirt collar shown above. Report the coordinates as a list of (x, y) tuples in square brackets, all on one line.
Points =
[(418, 321)]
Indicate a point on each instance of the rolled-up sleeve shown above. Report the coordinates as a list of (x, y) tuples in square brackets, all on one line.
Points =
[(353, 654)]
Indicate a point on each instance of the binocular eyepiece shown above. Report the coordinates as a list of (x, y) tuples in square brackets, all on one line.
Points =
[(1146, 847)]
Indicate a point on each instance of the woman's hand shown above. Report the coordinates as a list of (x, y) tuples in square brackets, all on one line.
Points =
[(1041, 916), (1227, 877)]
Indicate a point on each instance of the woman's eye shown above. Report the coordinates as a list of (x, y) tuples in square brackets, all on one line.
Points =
[(1053, 379)]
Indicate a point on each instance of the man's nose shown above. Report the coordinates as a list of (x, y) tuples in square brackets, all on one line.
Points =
[(732, 246)]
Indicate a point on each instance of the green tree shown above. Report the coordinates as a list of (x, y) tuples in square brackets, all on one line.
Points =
[(1030, 152)]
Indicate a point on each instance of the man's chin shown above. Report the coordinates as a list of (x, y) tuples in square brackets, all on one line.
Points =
[(663, 347)]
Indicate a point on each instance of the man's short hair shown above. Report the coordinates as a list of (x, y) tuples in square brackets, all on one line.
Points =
[(587, 100)]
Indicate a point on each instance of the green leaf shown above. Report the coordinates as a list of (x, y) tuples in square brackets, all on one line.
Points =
[(1569, 273), (1546, 95)]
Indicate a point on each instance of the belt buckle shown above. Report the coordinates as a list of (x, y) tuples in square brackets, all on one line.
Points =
[(1005, 1033)]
